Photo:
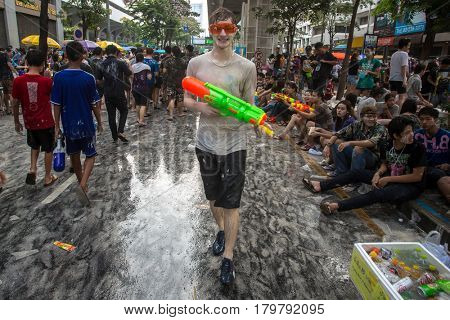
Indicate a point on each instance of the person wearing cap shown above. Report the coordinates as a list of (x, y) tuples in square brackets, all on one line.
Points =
[(357, 145)]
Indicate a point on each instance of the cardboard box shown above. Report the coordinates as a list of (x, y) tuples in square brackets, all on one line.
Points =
[(370, 281)]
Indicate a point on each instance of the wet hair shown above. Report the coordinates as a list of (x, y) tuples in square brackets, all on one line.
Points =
[(149, 50), (176, 51), (429, 111), (190, 48), (318, 45), (97, 51), (55, 57), (410, 105), (168, 49), (221, 14), (74, 51), (352, 98), (368, 109), (403, 42), (111, 49), (292, 85), (376, 91), (139, 57), (139, 50), (398, 125), (419, 68), (370, 47), (35, 58), (388, 96), (320, 94), (348, 105), (308, 48)]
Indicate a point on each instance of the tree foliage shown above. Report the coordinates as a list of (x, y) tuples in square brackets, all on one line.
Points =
[(92, 13), (162, 20)]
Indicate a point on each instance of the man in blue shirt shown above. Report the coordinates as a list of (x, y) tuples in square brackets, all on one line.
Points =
[(74, 97), (435, 141), (154, 66)]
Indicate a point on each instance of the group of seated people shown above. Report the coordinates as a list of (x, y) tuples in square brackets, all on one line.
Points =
[(390, 154)]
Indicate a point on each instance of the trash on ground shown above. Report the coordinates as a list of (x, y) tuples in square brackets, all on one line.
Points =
[(64, 246)]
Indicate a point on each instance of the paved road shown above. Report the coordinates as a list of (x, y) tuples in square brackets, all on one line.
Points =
[(148, 232)]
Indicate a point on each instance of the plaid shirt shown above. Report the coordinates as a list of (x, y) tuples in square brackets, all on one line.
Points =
[(358, 132)]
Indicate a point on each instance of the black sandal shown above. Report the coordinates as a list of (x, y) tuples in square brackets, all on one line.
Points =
[(31, 178), (309, 186), (325, 208)]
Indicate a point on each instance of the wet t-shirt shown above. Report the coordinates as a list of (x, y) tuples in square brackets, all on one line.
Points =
[(216, 134), (401, 162), (75, 92), (33, 92)]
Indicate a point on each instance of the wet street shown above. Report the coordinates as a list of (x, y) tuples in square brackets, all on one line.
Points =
[(148, 231)]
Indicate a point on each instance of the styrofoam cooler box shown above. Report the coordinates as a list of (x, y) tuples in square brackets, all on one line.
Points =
[(371, 282)]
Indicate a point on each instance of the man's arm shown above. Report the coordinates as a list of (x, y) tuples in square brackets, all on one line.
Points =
[(332, 62), (404, 75), (18, 125), (11, 67), (415, 176), (57, 115)]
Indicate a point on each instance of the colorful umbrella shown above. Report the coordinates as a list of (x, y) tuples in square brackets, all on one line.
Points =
[(104, 44), (33, 40)]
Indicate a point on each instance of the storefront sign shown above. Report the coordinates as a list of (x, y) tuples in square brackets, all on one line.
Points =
[(385, 42), (36, 6), (384, 25), (411, 24), (198, 41), (370, 40)]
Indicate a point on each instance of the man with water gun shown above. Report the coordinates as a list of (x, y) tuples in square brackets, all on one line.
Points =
[(221, 140)]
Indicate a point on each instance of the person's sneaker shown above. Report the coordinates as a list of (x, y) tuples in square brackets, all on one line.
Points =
[(219, 245), (314, 152), (227, 274)]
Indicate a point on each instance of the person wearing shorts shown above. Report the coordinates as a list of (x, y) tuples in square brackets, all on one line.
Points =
[(221, 141), (32, 92), (74, 98), (6, 77), (398, 76), (175, 70)]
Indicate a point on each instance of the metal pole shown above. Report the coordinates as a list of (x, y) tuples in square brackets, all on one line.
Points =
[(108, 22)]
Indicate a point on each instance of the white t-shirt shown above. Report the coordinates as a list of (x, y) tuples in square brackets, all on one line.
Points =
[(216, 134), (398, 60)]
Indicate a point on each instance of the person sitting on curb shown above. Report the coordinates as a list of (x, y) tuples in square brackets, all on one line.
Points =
[(399, 177), (435, 140), (357, 145)]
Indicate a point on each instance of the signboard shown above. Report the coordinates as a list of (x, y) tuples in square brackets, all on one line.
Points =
[(411, 23), (78, 34), (370, 40), (385, 42), (198, 41), (384, 25), (34, 8)]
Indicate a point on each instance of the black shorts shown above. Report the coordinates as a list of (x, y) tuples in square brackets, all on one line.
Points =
[(223, 177), (140, 98), (397, 86), (43, 140), (433, 175)]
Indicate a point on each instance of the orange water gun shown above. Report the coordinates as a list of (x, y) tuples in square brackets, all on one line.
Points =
[(297, 105)]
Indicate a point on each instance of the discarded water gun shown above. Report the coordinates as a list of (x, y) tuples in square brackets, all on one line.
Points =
[(227, 104), (297, 105)]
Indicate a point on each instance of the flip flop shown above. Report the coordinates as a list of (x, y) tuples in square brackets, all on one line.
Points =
[(308, 185), (54, 178), (169, 119), (325, 209), (31, 178), (306, 147)]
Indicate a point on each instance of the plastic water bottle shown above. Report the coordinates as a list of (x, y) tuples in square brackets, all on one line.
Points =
[(59, 156)]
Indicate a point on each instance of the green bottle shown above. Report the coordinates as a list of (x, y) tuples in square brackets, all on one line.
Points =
[(430, 290)]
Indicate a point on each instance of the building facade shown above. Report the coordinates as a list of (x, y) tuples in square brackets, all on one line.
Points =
[(19, 20)]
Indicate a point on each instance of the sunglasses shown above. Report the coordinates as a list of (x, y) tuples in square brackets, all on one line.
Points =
[(228, 27)]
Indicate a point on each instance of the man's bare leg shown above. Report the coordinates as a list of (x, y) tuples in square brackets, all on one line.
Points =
[(76, 165), (171, 107), (231, 222), (88, 166), (48, 159), (292, 123), (34, 158), (443, 185), (218, 215)]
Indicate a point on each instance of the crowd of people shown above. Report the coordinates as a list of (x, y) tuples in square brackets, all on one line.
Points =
[(384, 139), (75, 84)]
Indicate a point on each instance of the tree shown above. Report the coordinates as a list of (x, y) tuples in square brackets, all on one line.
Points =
[(91, 13), (333, 13), (285, 15), (436, 12), (345, 63), (160, 20), (193, 30), (43, 27)]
